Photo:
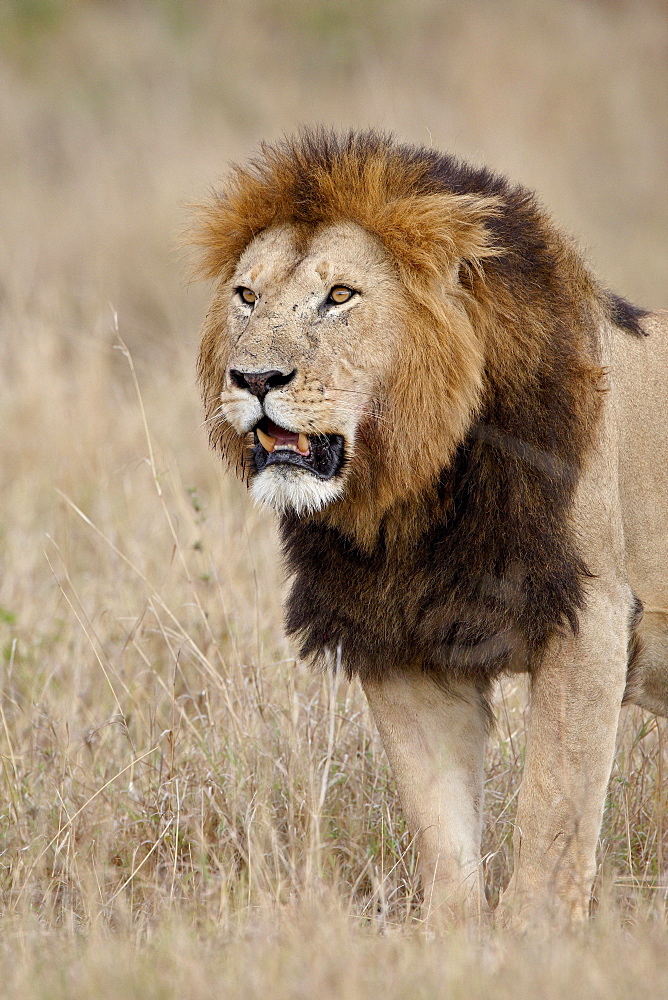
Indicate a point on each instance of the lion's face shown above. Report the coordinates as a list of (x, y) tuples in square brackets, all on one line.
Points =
[(313, 325)]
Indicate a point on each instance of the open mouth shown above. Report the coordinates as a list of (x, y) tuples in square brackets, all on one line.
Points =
[(321, 454)]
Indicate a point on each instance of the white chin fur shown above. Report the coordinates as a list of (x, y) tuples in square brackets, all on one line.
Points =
[(288, 490)]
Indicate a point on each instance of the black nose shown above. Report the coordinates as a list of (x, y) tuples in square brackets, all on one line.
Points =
[(259, 383)]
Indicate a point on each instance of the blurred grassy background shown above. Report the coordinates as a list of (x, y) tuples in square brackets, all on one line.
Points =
[(165, 763)]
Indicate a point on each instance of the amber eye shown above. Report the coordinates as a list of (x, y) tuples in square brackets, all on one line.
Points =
[(246, 295), (340, 294)]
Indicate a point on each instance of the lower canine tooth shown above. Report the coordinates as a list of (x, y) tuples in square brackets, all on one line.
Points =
[(302, 444), (267, 442)]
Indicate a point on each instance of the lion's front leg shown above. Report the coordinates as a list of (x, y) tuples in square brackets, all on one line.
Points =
[(435, 742), (575, 702)]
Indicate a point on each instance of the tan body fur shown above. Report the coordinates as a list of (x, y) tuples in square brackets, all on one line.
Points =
[(451, 361), (621, 513)]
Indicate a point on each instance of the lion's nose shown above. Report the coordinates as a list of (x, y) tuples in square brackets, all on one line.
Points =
[(259, 383)]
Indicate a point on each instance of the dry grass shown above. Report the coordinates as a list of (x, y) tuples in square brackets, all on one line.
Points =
[(184, 809)]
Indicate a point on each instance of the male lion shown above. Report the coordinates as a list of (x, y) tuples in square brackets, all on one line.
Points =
[(457, 426)]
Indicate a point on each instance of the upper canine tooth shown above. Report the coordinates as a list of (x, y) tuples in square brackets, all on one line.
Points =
[(267, 442), (302, 444)]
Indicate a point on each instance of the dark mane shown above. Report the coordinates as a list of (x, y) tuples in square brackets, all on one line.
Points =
[(625, 315)]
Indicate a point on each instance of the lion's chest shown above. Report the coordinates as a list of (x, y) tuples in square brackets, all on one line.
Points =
[(385, 610)]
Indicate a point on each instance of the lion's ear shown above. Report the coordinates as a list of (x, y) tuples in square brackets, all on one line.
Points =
[(434, 235)]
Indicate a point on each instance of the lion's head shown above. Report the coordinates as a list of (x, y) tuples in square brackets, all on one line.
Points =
[(342, 287), (354, 335)]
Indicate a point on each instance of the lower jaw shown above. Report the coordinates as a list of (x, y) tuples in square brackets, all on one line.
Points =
[(290, 489)]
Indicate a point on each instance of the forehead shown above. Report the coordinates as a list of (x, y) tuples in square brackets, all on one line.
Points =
[(284, 251)]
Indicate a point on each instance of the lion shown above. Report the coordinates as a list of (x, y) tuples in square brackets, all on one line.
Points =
[(463, 436)]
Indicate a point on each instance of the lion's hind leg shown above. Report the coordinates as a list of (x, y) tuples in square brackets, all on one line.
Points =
[(647, 681)]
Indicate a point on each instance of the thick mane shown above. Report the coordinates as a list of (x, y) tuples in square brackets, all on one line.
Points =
[(453, 543), (425, 218)]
